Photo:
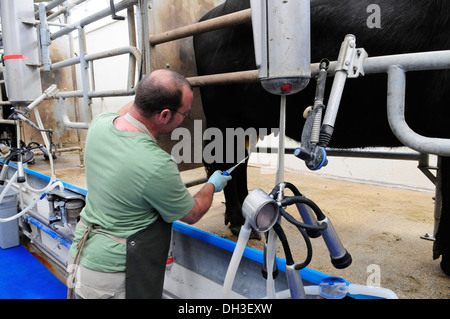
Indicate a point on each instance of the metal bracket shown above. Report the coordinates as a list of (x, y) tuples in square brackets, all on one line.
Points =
[(351, 59), (113, 11)]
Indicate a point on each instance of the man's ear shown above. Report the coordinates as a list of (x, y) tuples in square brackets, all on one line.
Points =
[(165, 116)]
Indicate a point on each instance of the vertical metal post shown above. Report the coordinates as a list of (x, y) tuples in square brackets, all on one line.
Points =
[(438, 197), (45, 37), (281, 141), (146, 22), (132, 42), (84, 74)]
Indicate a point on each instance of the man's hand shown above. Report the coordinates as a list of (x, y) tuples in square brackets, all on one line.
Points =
[(218, 180)]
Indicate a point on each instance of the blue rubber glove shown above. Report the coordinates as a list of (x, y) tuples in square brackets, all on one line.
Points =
[(218, 180)]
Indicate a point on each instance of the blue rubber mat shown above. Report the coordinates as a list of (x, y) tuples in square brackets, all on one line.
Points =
[(22, 276)]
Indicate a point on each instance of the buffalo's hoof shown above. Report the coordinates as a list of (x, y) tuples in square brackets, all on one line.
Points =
[(445, 265)]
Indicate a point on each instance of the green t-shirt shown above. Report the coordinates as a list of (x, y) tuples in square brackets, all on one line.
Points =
[(130, 180)]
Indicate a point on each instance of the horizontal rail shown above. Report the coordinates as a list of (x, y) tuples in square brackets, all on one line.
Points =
[(434, 60), (201, 27), (225, 78), (422, 61), (92, 18), (358, 153), (224, 21), (92, 94), (397, 122), (100, 55)]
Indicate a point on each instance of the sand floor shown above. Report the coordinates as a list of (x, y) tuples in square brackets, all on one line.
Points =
[(381, 227)]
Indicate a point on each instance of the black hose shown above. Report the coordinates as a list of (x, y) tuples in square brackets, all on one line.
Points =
[(302, 199), (287, 251), (295, 222)]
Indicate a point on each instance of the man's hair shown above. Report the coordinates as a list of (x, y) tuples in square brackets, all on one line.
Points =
[(161, 89)]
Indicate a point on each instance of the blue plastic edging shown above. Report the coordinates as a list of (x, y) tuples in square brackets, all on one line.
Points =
[(46, 178), (307, 274)]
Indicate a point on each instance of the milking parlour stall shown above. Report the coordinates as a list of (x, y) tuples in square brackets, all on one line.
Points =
[(319, 110)]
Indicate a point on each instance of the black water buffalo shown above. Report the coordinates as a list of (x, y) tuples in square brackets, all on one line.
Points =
[(404, 26)]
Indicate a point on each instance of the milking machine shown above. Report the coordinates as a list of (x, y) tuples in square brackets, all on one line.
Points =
[(282, 50), (24, 154), (22, 61), (317, 134), (63, 207)]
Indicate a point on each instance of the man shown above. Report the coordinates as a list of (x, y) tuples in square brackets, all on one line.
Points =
[(135, 192)]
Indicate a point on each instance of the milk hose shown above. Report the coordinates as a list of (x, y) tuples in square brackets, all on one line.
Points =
[(33, 203), (244, 235)]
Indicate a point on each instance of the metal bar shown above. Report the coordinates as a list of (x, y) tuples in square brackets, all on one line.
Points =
[(92, 18), (109, 93), (99, 55), (84, 68), (200, 27), (12, 122), (281, 141), (132, 43), (64, 9), (95, 56), (65, 117), (195, 182), (394, 155), (225, 78), (397, 122), (224, 21), (422, 61), (434, 60), (53, 4)]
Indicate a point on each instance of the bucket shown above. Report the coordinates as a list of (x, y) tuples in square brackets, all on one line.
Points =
[(9, 231)]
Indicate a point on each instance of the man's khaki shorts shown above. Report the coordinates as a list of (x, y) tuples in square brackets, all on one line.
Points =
[(91, 284)]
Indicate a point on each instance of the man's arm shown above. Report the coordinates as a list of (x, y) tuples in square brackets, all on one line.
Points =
[(202, 202), (203, 199)]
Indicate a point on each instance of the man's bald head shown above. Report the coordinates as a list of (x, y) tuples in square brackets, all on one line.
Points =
[(161, 89)]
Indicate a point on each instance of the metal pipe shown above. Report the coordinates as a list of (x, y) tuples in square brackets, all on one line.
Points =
[(66, 120), (397, 122), (50, 91), (195, 182), (53, 4), (100, 55), (438, 198), (132, 42), (109, 93), (434, 60), (225, 78), (394, 155), (84, 74), (224, 21), (422, 61), (44, 37), (203, 26), (64, 9), (92, 18), (2, 121)]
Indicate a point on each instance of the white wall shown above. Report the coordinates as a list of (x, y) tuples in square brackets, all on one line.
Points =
[(392, 173)]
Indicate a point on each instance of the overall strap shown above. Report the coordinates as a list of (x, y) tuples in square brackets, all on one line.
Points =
[(138, 124), (80, 247)]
